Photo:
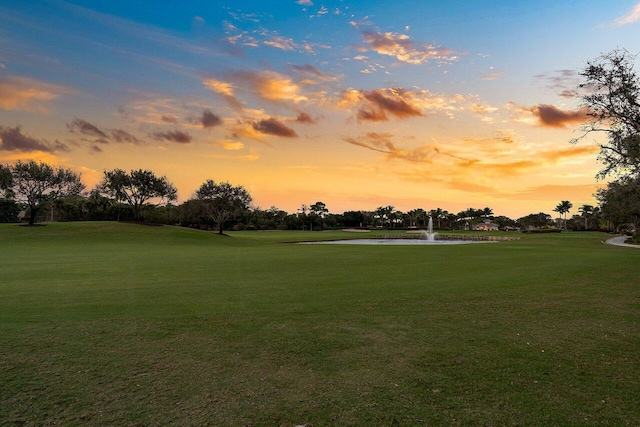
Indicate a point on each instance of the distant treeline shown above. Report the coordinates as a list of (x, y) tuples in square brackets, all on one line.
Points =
[(37, 192)]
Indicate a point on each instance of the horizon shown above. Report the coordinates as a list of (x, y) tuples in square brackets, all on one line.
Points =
[(355, 104)]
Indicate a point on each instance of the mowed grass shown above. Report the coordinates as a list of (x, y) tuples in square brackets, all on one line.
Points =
[(122, 324)]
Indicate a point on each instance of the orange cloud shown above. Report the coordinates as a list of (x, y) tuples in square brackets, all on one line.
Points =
[(272, 86), (174, 136), (374, 105), (533, 160), (208, 119), (566, 153), (403, 49), (381, 142), (272, 126), (547, 115), (225, 89), (86, 128), (554, 117), (230, 145), (392, 102), (12, 139), (304, 118), (102, 136), (22, 93), (556, 192)]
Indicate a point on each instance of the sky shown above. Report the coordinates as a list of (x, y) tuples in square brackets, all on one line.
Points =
[(357, 104)]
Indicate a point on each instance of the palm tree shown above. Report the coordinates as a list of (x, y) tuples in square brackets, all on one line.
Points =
[(487, 212), (563, 208), (586, 211), (411, 215), (384, 213), (437, 214), (303, 214), (421, 216)]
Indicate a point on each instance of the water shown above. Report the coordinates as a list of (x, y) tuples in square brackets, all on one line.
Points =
[(395, 242), (428, 238), (429, 234)]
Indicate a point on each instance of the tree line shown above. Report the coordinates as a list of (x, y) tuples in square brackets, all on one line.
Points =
[(43, 192)]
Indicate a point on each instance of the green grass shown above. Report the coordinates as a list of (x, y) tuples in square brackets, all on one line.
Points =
[(122, 324)]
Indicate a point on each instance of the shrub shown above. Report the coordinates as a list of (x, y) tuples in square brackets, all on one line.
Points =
[(9, 211)]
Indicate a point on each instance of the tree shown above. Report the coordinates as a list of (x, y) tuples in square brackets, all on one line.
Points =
[(37, 184), (137, 188), (6, 182), (320, 210), (563, 208), (223, 201), (353, 218), (586, 211), (538, 220), (438, 214), (620, 202), (384, 213), (612, 105), (303, 216)]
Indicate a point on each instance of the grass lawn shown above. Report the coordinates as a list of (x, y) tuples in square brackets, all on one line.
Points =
[(122, 324)]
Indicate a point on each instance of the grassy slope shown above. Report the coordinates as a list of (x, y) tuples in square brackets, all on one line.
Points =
[(107, 323)]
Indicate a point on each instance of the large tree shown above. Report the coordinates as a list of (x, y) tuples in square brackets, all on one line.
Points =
[(620, 202), (223, 201), (611, 98), (319, 209), (538, 220), (137, 188), (37, 184)]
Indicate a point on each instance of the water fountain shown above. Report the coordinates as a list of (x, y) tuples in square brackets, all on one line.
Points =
[(428, 237), (429, 234)]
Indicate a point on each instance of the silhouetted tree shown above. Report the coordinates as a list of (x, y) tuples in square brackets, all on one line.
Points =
[(384, 214), (538, 220), (563, 208), (612, 104), (319, 209), (223, 201), (137, 188), (6, 182), (37, 184), (620, 202), (353, 218), (586, 211)]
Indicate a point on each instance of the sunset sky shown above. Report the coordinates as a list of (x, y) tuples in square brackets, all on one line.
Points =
[(358, 104)]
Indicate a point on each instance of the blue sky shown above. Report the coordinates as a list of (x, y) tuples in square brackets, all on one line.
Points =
[(357, 104)]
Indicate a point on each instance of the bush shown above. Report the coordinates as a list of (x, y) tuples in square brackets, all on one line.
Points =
[(636, 238), (9, 211)]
